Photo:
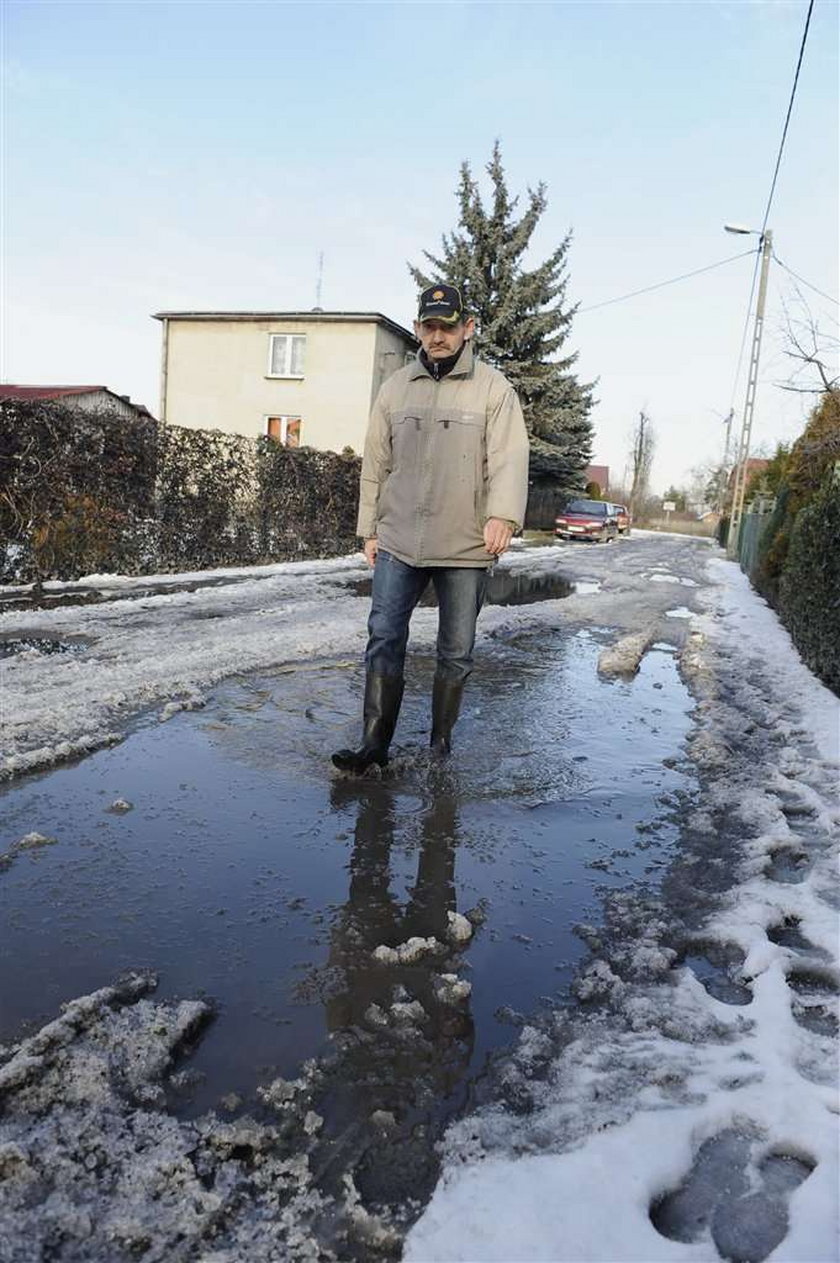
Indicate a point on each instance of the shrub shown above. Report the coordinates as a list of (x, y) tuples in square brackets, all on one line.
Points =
[(308, 500), (206, 499), (76, 489), (82, 492), (809, 587), (805, 470)]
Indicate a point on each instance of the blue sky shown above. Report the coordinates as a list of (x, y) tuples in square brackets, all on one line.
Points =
[(201, 156)]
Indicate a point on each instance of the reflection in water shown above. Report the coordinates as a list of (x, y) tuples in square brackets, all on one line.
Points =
[(403, 1042), (505, 587)]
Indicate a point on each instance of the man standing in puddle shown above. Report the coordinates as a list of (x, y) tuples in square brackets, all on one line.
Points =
[(443, 489)]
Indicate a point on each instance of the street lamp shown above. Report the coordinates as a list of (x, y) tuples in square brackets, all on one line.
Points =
[(737, 511)]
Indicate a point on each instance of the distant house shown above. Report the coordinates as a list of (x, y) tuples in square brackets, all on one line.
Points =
[(82, 398), (755, 465), (599, 474), (305, 378)]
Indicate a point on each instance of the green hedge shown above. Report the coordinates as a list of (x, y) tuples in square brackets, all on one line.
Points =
[(807, 465), (809, 587), (94, 492), (76, 491), (798, 554)]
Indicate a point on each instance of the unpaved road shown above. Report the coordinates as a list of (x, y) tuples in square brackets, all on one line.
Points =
[(337, 963)]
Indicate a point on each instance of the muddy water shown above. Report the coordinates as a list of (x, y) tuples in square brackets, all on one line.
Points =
[(220, 850), (506, 587)]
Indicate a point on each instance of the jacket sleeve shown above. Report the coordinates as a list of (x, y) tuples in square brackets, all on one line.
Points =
[(507, 459), (376, 466)]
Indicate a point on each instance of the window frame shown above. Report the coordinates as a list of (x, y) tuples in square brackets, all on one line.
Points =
[(284, 419), (288, 358)]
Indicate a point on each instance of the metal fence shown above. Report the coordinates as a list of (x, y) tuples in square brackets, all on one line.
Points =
[(752, 528)]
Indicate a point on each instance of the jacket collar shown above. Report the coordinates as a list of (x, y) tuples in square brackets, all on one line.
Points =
[(464, 367)]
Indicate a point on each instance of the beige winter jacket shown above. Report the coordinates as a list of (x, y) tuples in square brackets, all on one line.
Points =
[(441, 457)]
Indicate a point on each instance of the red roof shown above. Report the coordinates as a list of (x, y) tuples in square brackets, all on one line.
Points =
[(9, 391), (755, 465), (45, 392), (599, 474)]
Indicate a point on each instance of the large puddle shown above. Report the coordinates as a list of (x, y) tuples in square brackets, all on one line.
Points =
[(220, 851), (506, 587)]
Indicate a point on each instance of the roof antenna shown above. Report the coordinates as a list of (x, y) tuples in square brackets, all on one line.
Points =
[(320, 283)]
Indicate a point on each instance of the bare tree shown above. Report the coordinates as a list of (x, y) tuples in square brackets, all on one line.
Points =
[(812, 349), (641, 459)]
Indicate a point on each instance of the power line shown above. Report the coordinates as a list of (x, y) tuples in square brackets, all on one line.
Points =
[(661, 285), (787, 118), (802, 280), (772, 193)]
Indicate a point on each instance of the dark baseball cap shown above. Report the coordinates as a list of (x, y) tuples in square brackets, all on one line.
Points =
[(441, 302)]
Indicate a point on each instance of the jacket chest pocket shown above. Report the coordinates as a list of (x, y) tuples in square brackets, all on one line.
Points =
[(406, 431), (460, 435)]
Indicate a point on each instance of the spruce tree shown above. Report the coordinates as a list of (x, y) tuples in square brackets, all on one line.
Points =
[(522, 322)]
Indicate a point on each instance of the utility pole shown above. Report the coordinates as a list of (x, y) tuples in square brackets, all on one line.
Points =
[(724, 468), (737, 511), (639, 461), (728, 438)]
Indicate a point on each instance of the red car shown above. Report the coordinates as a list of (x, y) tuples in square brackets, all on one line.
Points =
[(622, 518), (587, 519)]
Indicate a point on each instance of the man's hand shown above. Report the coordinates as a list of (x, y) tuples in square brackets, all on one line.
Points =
[(371, 549), (497, 536)]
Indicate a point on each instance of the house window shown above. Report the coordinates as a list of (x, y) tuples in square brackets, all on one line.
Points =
[(285, 430), (286, 354)]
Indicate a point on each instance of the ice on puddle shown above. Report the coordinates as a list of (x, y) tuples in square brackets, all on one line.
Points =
[(451, 990), (624, 657), (29, 842), (596, 981), (406, 953), (408, 1013), (312, 1122), (459, 929), (376, 1016), (194, 702)]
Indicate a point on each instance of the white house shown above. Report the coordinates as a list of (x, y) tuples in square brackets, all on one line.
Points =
[(306, 378)]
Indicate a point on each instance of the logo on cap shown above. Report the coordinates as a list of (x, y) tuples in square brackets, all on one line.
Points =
[(441, 302)]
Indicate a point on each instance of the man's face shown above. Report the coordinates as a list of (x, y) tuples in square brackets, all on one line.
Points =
[(440, 340)]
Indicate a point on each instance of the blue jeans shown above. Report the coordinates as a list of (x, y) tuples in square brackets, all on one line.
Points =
[(397, 588)]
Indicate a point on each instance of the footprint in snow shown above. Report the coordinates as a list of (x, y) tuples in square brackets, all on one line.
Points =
[(814, 1003), (716, 966), (788, 934), (735, 1193), (787, 866)]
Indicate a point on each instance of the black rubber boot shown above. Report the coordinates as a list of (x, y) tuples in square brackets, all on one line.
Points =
[(446, 703), (383, 695)]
